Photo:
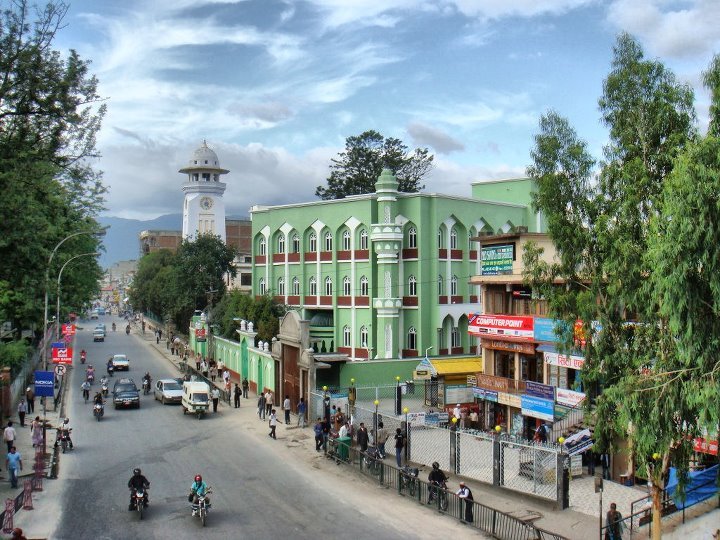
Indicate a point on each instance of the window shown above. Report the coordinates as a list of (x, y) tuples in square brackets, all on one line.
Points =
[(313, 286), (281, 287), (363, 286), (441, 338), (440, 286), (313, 242), (453, 238), (455, 337), (328, 286), (453, 286), (471, 244), (245, 279), (346, 336), (262, 246), (296, 287), (441, 239), (346, 240), (281, 243), (296, 243), (328, 241), (263, 288), (412, 339), (412, 286), (363, 239), (364, 336), (412, 237), (346, 286)]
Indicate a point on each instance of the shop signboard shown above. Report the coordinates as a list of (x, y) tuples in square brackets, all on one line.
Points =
[(68, 329), (537, 407), (545, 329), (513, 400), (497, 260), (568, 398), (510, 346), (416, 419), (487, 395), (62, 355), (564, 360), (200, 335), (501, 326), (436, 418), (705, 446), (458, 394), (539, 390), (489, 381)]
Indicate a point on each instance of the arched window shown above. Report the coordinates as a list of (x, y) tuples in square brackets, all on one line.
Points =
[(412, 339), (471, 244), (262, 246), (412, 237), (453, 238), (346, 240), (328, 241), (313, 286), (346, 286), (363, 337), (363, 239), (441, 239), (281, 286), (262, 287), (441, 287), (281, 244), (296, 243), (455, 337), (412, 286), (453, 286), (364, 286), (313, 242), (328, 286), (296, 286), (346, 336)]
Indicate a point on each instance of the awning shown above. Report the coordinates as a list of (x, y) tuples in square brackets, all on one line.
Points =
[(458, 367)]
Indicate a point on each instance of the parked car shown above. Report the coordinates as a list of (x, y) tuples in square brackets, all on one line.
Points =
[(125, 394), (168, 391), (121, 362), (98, 334)]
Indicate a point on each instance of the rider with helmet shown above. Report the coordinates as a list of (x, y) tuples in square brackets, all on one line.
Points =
[(138, 481), (437, 479), (83, 356), (110, 367), (90, 373), (65, 427), (198, 489)]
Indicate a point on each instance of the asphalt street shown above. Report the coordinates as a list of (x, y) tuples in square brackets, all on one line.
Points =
[(259, 490)]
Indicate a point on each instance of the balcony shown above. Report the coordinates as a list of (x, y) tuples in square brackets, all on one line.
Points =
[(410, 301), (442, 299), (473, 254), (293, 300), (326, 300), (409, 353), (456, 254), (500, 384), (326, 256), (362, 301), (344, 300), (457, 300), (279, 299), (457, 350), (473, 299), (344, 255), (310, 300), (442, 253)]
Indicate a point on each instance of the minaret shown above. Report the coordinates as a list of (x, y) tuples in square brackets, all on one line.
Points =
[(203, 209)]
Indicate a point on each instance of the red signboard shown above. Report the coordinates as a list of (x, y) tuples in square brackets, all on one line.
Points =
[(68, 329), (200, 334), (62, 355), (706, 447), (501, 326)]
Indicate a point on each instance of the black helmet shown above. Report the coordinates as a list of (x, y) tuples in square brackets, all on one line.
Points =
[(436, 465), (136, 471)]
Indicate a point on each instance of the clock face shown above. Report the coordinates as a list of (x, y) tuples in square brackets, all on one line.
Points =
[(206, 203)]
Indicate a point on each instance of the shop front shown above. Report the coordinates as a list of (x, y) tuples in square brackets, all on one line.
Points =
[(448, 382)]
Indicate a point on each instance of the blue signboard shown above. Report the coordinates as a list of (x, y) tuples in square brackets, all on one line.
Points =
[(487, 395), (44, 383), (537, 407), (540, 390), (544, 329), (58, 345)]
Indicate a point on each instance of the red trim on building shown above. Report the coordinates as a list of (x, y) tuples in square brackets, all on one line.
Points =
[(411, 301), (278, 257), (326, 256), (410, 253), (409, 353), (344, 300), (442, 253), (326, 300), (363, 301), (311, 256), (456, 254), (442, 299), (293, 257), (259, 259), (343, 255), (362, 254), (293, 300)]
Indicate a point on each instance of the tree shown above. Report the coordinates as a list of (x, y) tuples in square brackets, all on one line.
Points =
[(602, 229), (356, 170), (265, 313)]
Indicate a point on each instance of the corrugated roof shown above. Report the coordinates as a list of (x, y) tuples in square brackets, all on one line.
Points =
[(452, 367)]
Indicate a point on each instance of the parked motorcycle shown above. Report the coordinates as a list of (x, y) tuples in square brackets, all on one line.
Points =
[(139, 499), (408, 479), (201, 508), (438, 490), (98, 411)]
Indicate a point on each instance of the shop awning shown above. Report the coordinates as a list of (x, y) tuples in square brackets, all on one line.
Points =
[(458, 367)]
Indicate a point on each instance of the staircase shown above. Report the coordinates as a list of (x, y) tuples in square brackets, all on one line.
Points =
[(573, 421)]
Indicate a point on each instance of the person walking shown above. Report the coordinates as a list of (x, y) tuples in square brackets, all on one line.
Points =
[(363, 437), (9, 435), (466, 495), (381, 438), (204, 368), (268, 402), (236, 395), (14, 465), (226, 376), (36, 429), (273, 424), (318, 429), (605, 462), (286, 409), (325, 434), (157, 337), (30, 397), (302, 410), (213, 372), (245, 387), (261, 407), (215, 394), (399, 444), (22, 410), (613, 523)]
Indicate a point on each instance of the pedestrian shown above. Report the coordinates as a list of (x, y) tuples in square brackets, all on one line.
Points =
[(268, 402), (273, 424), (339, 419), (591, 462), (326, 407), (325, 434), (362, 437), (9, 435), (399, 444), (157, 337), (236, 396), (143, 327), (457, 411), (245, 387), (159, 333), (36, 429), (198, 361), (318, 429), (286, 408), (215, 394), (227, 388), (381, 438), (474, 419), (261, 407), (204, 368), (226, 376), (465, 494), (22, 410), (213, 372), (613, 524), (343, 431), (301, 409), (14, 465), (30, 396), (221, 366), (605, 462)]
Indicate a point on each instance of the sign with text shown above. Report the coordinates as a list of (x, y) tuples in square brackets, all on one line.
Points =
[(706, 447), (437, 418), (501, 326), (44, 383), (416, 419), (536, 407), (545, 329), (68, 329), (458, 394), (487, 395), (200, 335), (564, 360), (539, 390), (509, 399), (510, 346), (497, 260), (492, 382), (568, 397), (62, 355)]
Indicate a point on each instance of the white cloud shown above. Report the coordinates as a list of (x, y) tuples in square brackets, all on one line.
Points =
[(434, 137), (496, 9)]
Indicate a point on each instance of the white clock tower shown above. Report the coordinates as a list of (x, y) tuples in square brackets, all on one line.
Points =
[(204, 209)]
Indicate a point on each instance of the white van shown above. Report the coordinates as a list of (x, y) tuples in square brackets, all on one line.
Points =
[(195, 398)]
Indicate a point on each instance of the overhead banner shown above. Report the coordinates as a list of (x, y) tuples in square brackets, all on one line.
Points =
[(62, 355), (68, 329), (568, 397), (536, 407), (501, 326), (564, 360), (487, 395), (540, 390), (497, 260), (44, 383)]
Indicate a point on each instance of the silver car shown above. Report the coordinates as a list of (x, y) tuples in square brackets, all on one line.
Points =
[(168, 391)]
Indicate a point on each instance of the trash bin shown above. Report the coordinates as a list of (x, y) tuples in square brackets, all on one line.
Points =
[(344, 447)]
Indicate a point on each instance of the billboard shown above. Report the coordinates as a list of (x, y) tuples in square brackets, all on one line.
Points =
[(501, 326), (544, 409), (497, 260), (44, 383)]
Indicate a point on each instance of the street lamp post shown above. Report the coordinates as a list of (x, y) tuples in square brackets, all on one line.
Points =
[(57, 307)]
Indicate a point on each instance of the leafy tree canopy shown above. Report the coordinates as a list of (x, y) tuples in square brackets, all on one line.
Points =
[(265, 313)]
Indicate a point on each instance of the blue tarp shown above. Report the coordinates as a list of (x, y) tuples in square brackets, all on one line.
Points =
[(701, 486)]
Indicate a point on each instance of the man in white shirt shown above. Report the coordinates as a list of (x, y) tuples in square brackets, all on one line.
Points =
[(215, 395), (466, 495), (456, 412), (268, 402), (343, 430), (286, 408), (9, 435)]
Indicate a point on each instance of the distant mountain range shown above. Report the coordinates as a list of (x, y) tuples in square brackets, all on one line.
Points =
[(122, 239)]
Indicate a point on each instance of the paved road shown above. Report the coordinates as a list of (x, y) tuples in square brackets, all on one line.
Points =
[(259, 492)]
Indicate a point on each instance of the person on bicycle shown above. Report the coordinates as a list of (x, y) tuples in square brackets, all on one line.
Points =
[(85, 390), (437, 479), (198, 489), (138, 481)]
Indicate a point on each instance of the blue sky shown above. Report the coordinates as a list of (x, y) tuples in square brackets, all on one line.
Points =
[(277, 86)]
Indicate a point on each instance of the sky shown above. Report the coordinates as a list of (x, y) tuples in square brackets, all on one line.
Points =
[(276, 86)]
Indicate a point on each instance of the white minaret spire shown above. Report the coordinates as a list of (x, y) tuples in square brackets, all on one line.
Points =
[(204, 209)]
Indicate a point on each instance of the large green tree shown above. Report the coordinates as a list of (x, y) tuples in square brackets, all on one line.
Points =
[(356, 170), (264, 312), (601, 223)]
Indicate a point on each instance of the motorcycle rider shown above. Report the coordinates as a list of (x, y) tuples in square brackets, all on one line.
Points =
[(110, 367), (147, 379), (64, 427), (127, 329), (198, 489), (138, 481), (90, 373), (85, 390), (83, 356), (437, 479), (98, 399)]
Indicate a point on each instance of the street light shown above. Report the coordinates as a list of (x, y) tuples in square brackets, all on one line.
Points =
[(57, 308)]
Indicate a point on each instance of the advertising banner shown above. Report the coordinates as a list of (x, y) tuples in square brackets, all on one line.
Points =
[(564, 360), (416, 419), (501, 326), (513, 400), (545, 329), (537, 407), (568, 397), (68, 329), (62, 355), (487, 395), (437, 418), (705, 446), (540, 390), (44, 383), (510, 346), (200, 335), (497, 260)]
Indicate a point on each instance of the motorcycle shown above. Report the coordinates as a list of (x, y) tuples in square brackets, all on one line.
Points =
[(439, 490), (110, 369), (146, 386), (127, 329), (113, 326), (64, 439), (372, 460), (408, 479), (91, 378), (83, 357), (104, 388), (201, 508), (98, 411), (139, 499)]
